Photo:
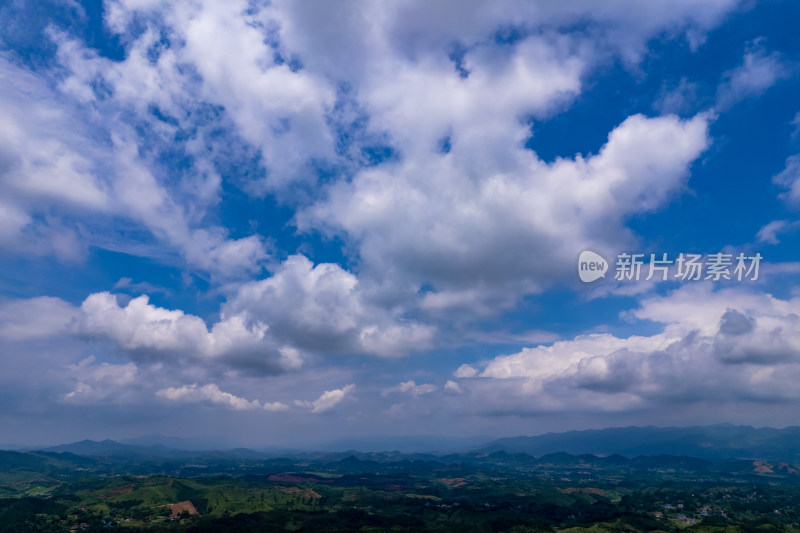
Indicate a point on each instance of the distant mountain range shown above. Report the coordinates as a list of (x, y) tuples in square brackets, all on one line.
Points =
[(175, 443), (366, 468), (717, 443), (106, 448)]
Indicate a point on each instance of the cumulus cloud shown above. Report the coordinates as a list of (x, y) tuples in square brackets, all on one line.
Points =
[(267, 326), (273, 78), (100, 382), (452, 386), (33, 318), (484, 220), (274, 406), (483, 234), (325, 308), (362, 35), (212, 394), (729, 345), (409, 387), (328, 400), (457, 214), (269, 323), (148, 332), (209, 393), (273, 106), (272, 83), (465, 371), (151, 334), (140, 325)]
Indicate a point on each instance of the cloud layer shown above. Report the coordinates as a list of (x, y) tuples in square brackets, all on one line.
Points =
[(717, 347), (372, 212)]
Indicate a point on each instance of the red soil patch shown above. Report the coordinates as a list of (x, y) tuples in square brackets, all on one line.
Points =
[(762, 467), (454, 482), (307, 493), (178, 508)]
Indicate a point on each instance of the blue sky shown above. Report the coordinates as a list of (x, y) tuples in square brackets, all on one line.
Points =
[(286, 223)]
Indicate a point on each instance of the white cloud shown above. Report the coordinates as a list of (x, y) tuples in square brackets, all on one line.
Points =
[(796, 123), (12, 220), (267, 327), (278, 109), (486, 222), (45, 154), (697, 307), (212, 394), (101, 382), (769, 232), (34, 318), (486, 232), (273, 73), (59, 163), (725, 346), (758, 72), (48, 167), (789, 178), (409, 387), (465, 371), (452, 386), (148, 332), (272, 80), (325, 308), (352, 46), (275, 406), (140, 325), (328, 400), (141, 196)]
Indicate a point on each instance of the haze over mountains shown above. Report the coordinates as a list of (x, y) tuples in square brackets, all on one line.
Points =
[(722, 441), (717, 442)]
